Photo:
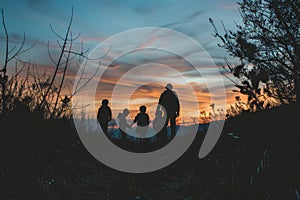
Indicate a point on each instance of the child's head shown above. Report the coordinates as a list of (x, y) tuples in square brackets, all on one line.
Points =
[(126, 112), (104, 102), (143, 109)]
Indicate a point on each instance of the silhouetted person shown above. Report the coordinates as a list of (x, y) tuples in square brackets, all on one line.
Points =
[(142, 119), (158, 124), (123, 124), (170, 103), (104, 115)]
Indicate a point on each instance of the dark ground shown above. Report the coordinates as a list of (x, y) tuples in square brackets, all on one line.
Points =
[(257, 157)]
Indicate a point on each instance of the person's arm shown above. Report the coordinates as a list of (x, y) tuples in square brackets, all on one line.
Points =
[(131, 124), (110, 115), (128, 125), (159, 103), (148, 119), (98, 115), (135, 120), (177, 105)]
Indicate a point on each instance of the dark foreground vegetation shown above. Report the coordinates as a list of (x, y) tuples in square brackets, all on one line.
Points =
[(255, 158)]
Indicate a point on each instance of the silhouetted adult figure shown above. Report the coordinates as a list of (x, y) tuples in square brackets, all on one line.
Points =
[(169, 103), (104, 115), (123, 124)]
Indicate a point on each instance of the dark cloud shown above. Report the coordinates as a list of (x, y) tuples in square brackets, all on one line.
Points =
[(204, 90), (14, 38), (195, 14), (150, 88), (186, 25), (184, 20)]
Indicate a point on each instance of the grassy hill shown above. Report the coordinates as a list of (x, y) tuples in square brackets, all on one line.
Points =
[(257, 156)]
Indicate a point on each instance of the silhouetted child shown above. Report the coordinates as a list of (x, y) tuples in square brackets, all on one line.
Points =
[(142, 120), (158, 124), (159, 121), (104, 115), (123, 124)]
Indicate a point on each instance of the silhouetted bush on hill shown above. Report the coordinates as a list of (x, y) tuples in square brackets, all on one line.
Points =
[(269, 136)]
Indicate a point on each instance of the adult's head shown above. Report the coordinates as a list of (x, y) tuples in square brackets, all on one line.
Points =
[(169, 86), (105, 102)]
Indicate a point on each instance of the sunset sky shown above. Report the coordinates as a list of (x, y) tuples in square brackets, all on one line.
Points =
[(98, 20)]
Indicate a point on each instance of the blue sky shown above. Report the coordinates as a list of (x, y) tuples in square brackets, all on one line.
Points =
[(97, 20)]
